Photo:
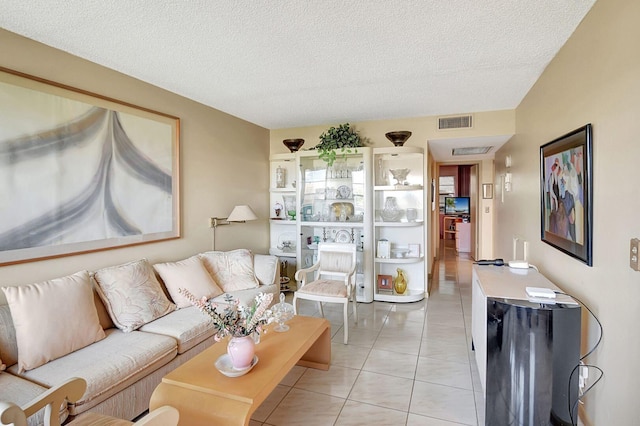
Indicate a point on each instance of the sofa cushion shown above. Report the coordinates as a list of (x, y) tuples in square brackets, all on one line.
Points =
[(267, 268), (132, 294), (108, 366), (21, 391), (232, 270), (189, 274), (188, 326), (42, 333), (8, 344), (103, 314)]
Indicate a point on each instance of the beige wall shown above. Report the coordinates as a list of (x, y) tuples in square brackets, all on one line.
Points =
[(486, 216), (424, 129), (224, 162), (593, 79)]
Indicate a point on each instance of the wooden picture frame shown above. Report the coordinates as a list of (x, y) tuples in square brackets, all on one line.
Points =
[(566, 193), (385, 282), (82, 172)]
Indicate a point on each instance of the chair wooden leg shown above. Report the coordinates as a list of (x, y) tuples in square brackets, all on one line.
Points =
[(346, 321), (355, 309)]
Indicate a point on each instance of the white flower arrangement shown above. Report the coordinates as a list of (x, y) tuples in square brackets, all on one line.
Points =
[(233, 319)]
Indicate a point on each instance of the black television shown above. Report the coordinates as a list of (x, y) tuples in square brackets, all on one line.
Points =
[(457, 206)]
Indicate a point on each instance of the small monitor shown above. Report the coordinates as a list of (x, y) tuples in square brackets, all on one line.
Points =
[(457, 206)]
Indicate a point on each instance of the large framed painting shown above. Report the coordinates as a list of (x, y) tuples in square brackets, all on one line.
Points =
[(81, 172), (567, 193)]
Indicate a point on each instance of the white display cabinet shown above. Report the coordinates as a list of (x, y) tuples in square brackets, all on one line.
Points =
[(334, 205), (283, 234), (399, 213)]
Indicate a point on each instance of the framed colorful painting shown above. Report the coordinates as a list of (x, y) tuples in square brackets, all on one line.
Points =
[(567, 193), (82, 172)]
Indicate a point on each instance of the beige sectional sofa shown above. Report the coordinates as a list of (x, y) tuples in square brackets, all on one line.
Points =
[(127, 354)]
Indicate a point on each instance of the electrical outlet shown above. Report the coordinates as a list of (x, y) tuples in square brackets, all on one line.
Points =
[(583, 375), (634, 248)]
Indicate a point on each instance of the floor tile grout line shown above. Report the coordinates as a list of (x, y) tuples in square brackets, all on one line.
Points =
[(444, 280), (361, 368)]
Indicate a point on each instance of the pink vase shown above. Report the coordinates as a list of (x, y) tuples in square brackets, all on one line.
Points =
[(241, 351)]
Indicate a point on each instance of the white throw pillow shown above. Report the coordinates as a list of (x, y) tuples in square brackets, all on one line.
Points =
[(132, 294), (53, 318), (189, 274), (266, 268), (232, 270)]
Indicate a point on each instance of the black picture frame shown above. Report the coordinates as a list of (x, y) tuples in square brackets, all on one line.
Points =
[(566, 193)]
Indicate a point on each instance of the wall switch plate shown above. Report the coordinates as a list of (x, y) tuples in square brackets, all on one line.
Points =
[(634, 249)]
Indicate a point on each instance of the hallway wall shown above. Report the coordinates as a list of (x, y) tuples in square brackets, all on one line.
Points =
[(593, 79)]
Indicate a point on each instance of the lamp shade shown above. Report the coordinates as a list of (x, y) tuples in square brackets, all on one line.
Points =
[(241, 214)]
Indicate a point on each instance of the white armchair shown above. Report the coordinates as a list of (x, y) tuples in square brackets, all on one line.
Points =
[(334, 277), (72, 390)]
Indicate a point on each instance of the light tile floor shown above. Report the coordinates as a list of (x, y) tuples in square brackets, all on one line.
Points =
[(405, 364)]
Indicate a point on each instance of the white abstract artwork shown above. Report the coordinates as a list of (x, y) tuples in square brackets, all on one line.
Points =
[(79, 172)]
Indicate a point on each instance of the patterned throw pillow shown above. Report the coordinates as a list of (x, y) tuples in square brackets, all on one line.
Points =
[(232, 270), (132, 294)]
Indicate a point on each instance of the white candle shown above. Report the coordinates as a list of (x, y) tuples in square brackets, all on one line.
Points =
[(526, 250), (515, 248)]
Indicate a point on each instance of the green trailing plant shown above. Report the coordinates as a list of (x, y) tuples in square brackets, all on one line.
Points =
[(342, 138)]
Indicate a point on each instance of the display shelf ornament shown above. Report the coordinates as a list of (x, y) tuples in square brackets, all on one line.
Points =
[(400, 282), (281, 177)]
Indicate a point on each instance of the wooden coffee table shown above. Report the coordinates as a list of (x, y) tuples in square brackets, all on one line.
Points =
[(204, 396)]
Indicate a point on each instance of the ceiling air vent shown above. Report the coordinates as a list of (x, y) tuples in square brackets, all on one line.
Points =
[(456, 122), (475, 150)]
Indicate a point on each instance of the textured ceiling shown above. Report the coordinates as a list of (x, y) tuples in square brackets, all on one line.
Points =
[(294, 63)]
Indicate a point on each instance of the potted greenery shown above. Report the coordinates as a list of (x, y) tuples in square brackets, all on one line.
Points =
[(341, 138)]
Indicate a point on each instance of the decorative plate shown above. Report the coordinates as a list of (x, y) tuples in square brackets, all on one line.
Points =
[(343, 192), (343, 236), (223, 364)]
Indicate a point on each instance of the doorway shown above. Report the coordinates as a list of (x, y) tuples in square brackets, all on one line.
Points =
[(457, 208)]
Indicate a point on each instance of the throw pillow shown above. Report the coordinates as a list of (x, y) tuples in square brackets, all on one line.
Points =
[(132, 294), (189, 274), (232, 270), (53, 318), (267, 269)]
